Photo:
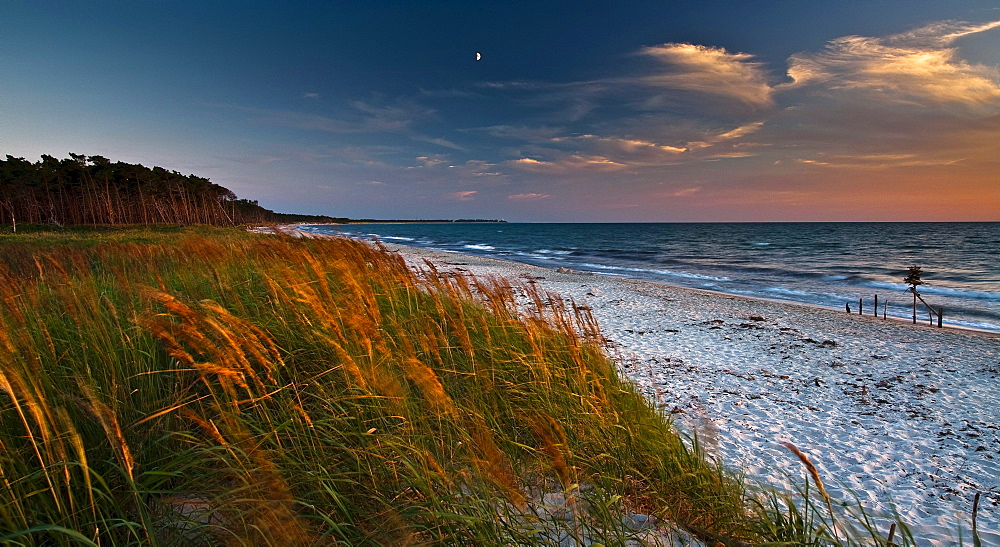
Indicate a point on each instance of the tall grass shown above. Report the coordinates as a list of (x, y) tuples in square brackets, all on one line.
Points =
[(217, 387)]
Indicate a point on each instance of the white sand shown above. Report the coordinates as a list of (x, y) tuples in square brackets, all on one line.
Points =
[(886, 409)]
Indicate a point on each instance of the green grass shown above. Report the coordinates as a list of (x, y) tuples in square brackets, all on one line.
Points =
[(197, 385)]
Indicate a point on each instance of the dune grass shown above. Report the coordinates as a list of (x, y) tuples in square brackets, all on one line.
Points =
[(186, 386)]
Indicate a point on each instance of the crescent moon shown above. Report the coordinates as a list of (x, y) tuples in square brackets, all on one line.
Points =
[(478, 56)]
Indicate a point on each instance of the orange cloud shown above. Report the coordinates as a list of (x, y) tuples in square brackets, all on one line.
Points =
[(624, 144), (686, 192), (917, 65), (712, 71), (467, 195), (528, 196), (568, 165)]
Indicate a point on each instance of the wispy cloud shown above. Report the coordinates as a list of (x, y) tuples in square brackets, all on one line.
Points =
[(358, 117), (568, 165), (724, 136), (877, 161), (900, 101), (621, 144), (711, 71), (683, 192), (524, 132), (528, 196), (431, 161), (919, 66), (466, 195), (440, 142)]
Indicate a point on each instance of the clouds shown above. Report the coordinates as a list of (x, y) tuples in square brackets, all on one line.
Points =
[(465, 195), (679, 129), (357, 116), (568, 165), (920, 68), (530, 196), (711, 71), (903, 101)]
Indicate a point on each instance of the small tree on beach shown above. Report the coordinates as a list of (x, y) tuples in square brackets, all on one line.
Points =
[(913, 280)]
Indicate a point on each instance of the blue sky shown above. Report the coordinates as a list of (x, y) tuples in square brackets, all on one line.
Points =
[(577, 111)]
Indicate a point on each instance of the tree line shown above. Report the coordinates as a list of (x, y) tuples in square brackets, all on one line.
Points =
[(94, 190)]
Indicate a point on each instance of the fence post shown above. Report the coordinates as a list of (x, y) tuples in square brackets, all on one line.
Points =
[(876, 305), (860, 310), (940, 313)]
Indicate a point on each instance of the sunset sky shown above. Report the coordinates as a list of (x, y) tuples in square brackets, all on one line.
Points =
[(577, 111)]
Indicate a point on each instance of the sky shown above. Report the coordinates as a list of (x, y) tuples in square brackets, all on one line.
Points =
[(634, 111)]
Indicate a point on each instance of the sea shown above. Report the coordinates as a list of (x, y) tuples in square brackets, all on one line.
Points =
[(826, 264)]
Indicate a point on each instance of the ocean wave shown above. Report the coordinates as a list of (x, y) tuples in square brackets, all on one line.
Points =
[(959, 293), (622, 253), (791, 293), (927, 288), (479, 247), (553, 252), (670, 273), (534, 256)]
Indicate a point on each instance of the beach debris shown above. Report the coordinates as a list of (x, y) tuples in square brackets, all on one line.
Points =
[(823, 344)]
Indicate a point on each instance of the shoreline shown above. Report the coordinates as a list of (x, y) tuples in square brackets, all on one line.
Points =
[(500, 263), (905, 416), (967, 309)]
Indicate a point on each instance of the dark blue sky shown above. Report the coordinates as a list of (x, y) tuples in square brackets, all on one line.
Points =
[(645, 111)]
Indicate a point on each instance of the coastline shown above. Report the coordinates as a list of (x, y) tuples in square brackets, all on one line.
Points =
[(763, 261), (520, 268), (887, 410)]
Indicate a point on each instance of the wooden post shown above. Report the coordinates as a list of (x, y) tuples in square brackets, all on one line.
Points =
[(975, 527), (860, 310), (885, 308), (940, 313), (876, 305), (914, 307)]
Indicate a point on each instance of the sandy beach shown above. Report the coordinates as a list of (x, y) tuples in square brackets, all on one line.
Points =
[(906, 417)]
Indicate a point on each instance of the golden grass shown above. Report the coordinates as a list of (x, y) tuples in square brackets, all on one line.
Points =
[(305, 392)]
